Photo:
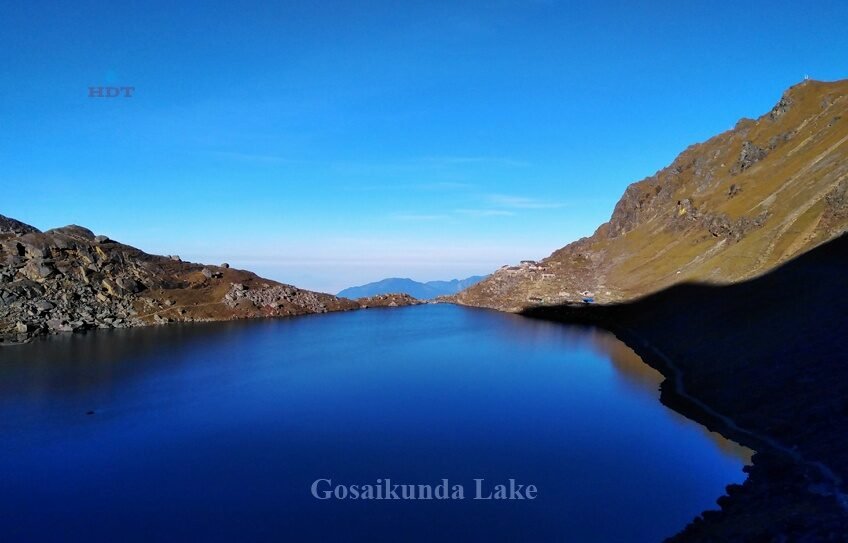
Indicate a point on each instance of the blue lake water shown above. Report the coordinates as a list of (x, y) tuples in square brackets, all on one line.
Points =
[(216, 432)]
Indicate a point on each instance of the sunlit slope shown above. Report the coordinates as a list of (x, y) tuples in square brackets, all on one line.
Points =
[(727, 209)]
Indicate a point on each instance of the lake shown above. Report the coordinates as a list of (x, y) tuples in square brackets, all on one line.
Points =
[(218, 432)]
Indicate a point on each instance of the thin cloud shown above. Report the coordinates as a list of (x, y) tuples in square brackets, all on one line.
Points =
[(417, 217), (460, 160), (520, 202), (249, 157), (405, 187), (484, 212), (444, 185)]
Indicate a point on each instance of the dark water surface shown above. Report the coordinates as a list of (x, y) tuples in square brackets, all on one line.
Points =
[(216, 432)]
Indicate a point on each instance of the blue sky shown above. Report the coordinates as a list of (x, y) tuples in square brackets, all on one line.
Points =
[(333, 143)]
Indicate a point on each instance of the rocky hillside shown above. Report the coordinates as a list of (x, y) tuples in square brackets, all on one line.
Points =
[(67, 279), (388, 300), (727, 209)]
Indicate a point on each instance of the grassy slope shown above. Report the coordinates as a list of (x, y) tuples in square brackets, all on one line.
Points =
[(652, 242)]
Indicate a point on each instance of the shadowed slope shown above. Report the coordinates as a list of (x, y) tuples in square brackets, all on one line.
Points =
[(766, 363)]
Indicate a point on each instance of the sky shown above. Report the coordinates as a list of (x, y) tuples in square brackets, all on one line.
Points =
[(328, 144)]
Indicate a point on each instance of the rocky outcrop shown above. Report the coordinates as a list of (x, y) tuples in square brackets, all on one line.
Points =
[(12, 226), (387, 300), (782, 106), (750, 155), (836, 202), (280, 300), (69, 279), (725, 210)]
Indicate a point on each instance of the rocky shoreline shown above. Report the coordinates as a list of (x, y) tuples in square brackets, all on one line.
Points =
[(71, 280), (763, 363)]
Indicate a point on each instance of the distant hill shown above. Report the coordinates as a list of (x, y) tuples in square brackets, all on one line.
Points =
[(416, 289)]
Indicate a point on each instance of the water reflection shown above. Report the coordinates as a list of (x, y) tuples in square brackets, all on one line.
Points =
[(77, 364), (632, 370), (68, 364), (189, 418)]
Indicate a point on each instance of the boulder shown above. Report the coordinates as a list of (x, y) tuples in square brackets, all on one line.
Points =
[(733, 190), (61, 242), (129, 284), (111, 287), (35, 246), (37, 270), (44, 305), (13, 261), (9, 225), (57, 325), (8, 297), (74, 231)]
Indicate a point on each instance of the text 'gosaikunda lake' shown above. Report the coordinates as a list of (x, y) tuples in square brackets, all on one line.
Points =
[(265, 430)]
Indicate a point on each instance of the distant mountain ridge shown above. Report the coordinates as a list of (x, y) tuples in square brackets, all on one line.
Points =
[(416, 289)]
